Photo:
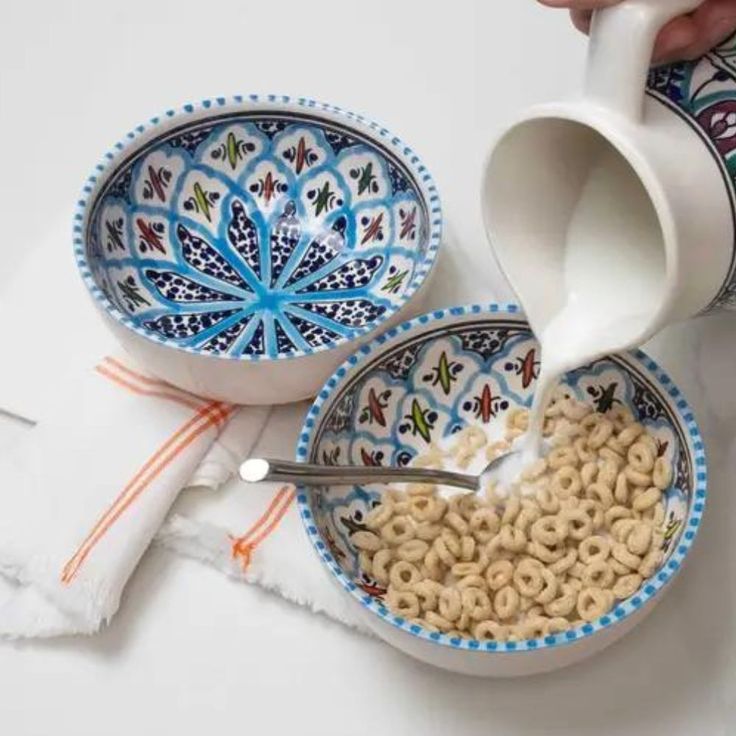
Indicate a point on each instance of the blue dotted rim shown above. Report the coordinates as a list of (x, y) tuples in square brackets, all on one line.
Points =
[(261, 103), (649, 588)]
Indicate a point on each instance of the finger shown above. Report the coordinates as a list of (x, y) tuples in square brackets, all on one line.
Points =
[(579, 4), (581, 19), (708, 26), (678, 35)]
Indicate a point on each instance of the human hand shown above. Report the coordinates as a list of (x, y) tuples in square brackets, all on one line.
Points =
[(687, 37)]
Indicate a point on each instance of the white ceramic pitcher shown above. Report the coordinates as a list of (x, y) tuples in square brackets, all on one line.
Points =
[(677, 135)]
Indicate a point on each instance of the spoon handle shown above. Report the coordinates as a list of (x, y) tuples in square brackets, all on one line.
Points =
[(256, 470)]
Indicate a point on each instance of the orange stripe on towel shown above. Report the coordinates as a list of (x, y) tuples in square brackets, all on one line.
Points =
[(244, 546), (212, 415)]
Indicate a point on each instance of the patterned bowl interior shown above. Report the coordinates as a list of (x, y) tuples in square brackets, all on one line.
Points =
[(438, 374), (261, 232)]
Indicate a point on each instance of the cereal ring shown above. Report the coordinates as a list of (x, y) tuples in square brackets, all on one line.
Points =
[(365, 562), (562, 457), (499, 574), (427, 591), (533, 628), (427, 531), (621, 490), (379, 515), (592, 603), (367, 541), (654, 515), (617, 567), (528, 579), (564, 563), (456, 522), (527, 516), (607, 474), (461, 569), (594, 549), (467, 548), (549, 588), (420, 489), (403, 575), (646, 500), (651, 442), (566, 482), (614, 514), (403, 603), (640, 480), (639, 539), (518, 418), (511, 511), (536, 470), (438, 621), (477, 604), (579, 523), (380, 566), (613, 451), (621, 417), (471, 581), (565, 602), (662, 473), (425, 508), (450, 604), (506, 602), (574, 410), (620, 552), (641, 457), (546, 554), (398, 530), (594, 511), (621, 529), (598, 574), (443, 551), (650, 563), (513, 540), (600, 493), (469, 504), (557, 625), (549, 530), (452, 541), (432, 567), (412, 551), (589, 422), (484, 523), (490, 631), (473, 437), (497, 448), (630, 434), (588, 473), (627, 585), (600, 434), (548, 501), (566, 504), (584, 453)]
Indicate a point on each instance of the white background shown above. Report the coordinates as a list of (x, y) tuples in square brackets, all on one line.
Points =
[(191, 652)]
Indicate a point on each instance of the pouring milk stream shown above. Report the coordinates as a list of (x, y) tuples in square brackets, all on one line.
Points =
[(578, 220)]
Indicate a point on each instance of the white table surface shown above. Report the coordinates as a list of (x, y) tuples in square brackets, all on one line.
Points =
[(191, 652)]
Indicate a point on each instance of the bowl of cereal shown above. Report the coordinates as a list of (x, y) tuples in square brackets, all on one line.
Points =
[(517, 580)]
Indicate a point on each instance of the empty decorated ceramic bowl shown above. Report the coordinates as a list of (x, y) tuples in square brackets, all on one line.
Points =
[(266, 233), (425, 380)]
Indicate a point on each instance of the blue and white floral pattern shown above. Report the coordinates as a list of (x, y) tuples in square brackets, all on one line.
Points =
[(703, 92), (429, 378), (259, 233)]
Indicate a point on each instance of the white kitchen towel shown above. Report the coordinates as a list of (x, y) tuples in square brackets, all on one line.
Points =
[(84, 492), (252, 532)]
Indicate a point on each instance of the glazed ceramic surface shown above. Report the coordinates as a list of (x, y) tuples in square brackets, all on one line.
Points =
[(668, 129), (257, 228), (703, 94), (425, 381)]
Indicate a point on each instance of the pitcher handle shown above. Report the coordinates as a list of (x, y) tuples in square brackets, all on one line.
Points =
[(622, 40)]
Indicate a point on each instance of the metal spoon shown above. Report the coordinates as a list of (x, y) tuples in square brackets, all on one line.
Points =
[(257, 470)]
